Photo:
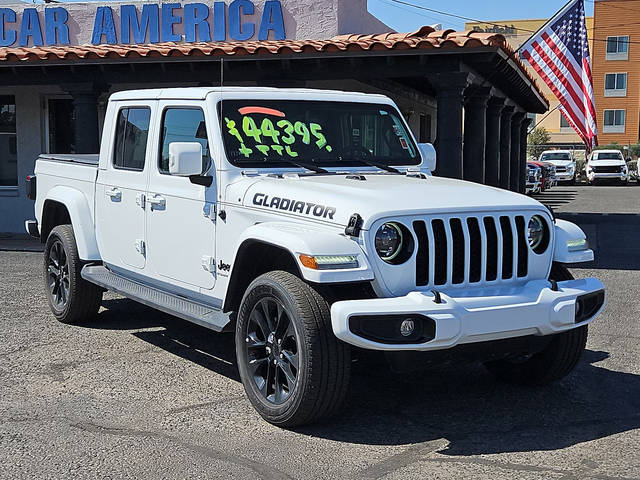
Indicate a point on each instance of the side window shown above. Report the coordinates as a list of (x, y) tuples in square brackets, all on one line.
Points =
[(132, 130), (183, 125)]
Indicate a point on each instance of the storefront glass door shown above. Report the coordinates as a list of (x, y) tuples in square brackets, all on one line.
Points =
[(8, 148), (60, 122)]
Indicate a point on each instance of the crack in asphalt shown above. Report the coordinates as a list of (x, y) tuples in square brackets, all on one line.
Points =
[(26, 348), (264, 471), (56, 370), (578, 474), (196, 406), (403, 459)]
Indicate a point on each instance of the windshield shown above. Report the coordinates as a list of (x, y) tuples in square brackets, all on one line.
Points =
[(259, 134), (546, 157), (608, 156)]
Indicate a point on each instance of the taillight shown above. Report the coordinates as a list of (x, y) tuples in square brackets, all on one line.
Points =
[(31, 187)]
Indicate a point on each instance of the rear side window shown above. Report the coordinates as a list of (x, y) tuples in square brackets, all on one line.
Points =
[(132, 131), (183, 125)]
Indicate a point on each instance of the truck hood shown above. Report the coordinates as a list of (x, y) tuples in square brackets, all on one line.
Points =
[(335, 198)]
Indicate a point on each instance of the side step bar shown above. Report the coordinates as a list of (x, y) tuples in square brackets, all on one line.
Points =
[(198, 313)]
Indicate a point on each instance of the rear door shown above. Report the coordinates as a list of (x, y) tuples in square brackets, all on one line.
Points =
[(121, 187), (181, 214)]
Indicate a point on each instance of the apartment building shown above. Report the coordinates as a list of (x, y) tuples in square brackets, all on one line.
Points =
[(616, 70)]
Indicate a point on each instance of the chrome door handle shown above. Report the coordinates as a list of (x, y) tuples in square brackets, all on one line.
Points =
[(157, 202), (114, 193)]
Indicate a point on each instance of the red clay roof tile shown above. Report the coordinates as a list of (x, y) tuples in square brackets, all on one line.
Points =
[(423, 38)]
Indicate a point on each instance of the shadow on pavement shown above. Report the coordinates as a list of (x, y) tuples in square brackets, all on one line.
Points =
[(476, 414), (214, 351), (462, 406), (556, 198), (615, 239)]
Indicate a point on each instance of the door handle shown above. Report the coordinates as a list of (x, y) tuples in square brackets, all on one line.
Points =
[(115, 194), (157, 202)]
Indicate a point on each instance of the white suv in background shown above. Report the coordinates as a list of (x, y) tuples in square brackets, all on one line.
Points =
[(607, 165), (564, 162)]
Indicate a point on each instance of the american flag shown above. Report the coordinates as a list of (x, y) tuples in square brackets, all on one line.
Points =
[(559, 52)]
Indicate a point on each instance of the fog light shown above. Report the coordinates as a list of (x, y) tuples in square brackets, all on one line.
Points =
[(406, 327)]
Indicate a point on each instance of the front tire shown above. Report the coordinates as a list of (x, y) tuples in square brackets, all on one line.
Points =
[(554, 362), (293, 369), (72, 299)]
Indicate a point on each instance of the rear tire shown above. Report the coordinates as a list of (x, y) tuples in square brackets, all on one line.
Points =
[(293, 369), (554, 362), (72, 299)]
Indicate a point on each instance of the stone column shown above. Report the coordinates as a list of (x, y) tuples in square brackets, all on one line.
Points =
[(475, 131), (450, 97), (492, 147), (514, 174), (85, 104), (524, 131), (505, 146)]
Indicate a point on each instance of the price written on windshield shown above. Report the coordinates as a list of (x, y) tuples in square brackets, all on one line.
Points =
[(280, 137)]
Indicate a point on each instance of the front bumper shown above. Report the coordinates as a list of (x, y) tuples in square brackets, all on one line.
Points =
[(608, 176), (473, 316), (564, 176)]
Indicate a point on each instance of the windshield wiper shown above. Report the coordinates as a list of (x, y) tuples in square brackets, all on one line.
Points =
[(296, 163), (308, 166), (372, 163)]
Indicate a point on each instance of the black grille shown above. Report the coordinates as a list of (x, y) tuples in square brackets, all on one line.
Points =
[(440, 250), (492, 248), (475, 254), (607, 169), (462, 243), (422, 255), (523, 252), (507, 248)]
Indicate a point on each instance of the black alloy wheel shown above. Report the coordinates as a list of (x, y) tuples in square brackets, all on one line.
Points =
[(58, 275), (293, 368), (72, 299), (272, 350)]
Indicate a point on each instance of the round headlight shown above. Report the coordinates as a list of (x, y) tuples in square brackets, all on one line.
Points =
[(537, 234), (388, 241)]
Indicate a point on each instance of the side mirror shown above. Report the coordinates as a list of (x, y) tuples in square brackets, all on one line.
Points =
[(428, 154), (185, 158)]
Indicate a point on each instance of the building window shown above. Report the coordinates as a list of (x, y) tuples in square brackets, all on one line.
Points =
[(565, 126), (614, 121), (132, 130), (183, 125), (618, 48), (8, 146), (615, 85)]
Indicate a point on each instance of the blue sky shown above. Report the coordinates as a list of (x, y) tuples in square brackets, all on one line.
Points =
[(405, 19)]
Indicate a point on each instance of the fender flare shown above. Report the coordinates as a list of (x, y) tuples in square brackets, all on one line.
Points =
[(565, 232), (81, 219), (308, 240)]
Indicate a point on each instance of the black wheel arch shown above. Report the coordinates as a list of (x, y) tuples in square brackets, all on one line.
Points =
[(254, 258), (54, 213)]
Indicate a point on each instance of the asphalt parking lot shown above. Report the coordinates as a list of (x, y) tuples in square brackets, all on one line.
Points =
[(139, 394)]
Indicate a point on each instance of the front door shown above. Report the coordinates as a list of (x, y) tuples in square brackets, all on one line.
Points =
[(120, 190), (181, 214)]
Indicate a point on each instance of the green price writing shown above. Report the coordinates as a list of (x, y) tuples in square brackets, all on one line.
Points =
[(279, 138)]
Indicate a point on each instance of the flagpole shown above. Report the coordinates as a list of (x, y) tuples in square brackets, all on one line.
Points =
[(545, 24)]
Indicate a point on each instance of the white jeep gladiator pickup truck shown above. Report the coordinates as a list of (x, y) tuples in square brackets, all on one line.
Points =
[(308, 222)]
